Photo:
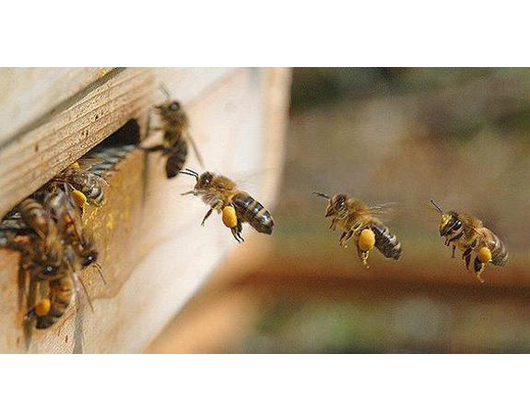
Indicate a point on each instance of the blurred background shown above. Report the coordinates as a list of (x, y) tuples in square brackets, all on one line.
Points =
[(403, 135)]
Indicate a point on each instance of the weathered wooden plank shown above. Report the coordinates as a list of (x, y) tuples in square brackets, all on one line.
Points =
[(29, 161), (153, 250), (28, 94)]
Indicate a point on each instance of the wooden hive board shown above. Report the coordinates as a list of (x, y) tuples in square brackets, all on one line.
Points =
[(154, 253)]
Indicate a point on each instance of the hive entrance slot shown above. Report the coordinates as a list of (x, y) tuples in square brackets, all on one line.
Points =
[(114, 148)]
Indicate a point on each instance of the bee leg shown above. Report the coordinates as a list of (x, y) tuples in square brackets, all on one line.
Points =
[(453, 255), (206, 216), (363, 256), (345, 237), (156, 148), (80, 286), (236, 233), (478, 266), (333, 224), (30, 315), (467, 256), (189, 192)]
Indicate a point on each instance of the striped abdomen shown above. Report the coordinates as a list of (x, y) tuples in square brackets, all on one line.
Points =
[(35, 216), (251, 211), (61, 292), (385, 241), (499, 254), (176, 156), (88, 183)]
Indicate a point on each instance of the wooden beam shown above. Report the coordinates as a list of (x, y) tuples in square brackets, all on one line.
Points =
[(33, 94), (30, 160)]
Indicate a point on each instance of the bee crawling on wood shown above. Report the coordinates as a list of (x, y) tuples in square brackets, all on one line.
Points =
[(175, 126), (237, 207), (60, 202), (55, 246), (357, 222), (467, 233), (47, 310), (87, 186)]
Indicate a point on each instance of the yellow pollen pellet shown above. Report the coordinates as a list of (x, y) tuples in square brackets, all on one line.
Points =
[(42, 307), (79, 198), (484, 255), (366, 240), (75, 165), (229, 217)]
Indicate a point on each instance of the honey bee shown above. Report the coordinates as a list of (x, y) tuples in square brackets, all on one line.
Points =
[(238, 207), (49, 309), (90, 184), (356, 220), (467, 233), (175, 126), (62, 208), (37, 218), (41, 262)]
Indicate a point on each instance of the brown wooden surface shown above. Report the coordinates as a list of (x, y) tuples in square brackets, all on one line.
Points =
[(29, 95), (154, 252), (29, 160)]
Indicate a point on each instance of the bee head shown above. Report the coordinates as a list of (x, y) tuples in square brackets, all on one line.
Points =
[(336, 205), (89, 258), (204, 181), (172, 113), (49, 270), (450, 222), (169, 107)]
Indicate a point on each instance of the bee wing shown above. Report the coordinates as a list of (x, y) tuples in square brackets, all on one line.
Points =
[(385, 211), (195, 149), (15, 227), (383, 208), (88, 163)]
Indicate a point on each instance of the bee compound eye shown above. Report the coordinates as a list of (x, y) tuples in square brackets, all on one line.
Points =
[(48, 270)]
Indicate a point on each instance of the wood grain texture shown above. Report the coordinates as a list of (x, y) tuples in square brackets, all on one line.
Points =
[(154, 252), (28, 161), (31, 94)]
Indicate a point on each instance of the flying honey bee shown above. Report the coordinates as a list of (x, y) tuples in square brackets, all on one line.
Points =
[(237, 207), (175, 126), (356, 220), (467, 233), (88, 183)]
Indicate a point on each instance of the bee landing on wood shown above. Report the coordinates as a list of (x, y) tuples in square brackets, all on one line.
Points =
[(84, 183), (467, 233), (175, 126), (237, 207), (357, 222)]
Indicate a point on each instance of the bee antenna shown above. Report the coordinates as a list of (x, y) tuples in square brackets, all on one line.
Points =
[(100, 271), (190, 172), (436, 206), (163, 88), (327, 197)]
